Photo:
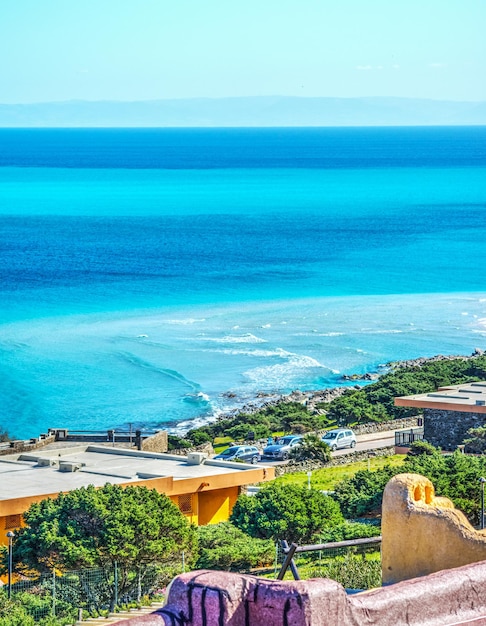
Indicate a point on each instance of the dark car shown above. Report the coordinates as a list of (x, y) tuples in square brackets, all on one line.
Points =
[(247, 454), (280, 451)]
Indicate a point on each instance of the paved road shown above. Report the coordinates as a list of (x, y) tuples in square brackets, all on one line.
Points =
[(371, 441)]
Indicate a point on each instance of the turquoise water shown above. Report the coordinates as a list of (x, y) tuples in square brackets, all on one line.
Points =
[(138, 270)]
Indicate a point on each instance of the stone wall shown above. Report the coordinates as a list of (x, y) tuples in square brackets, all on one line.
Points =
[(379, 427), (20, 445), (156, 443), (447, 429), (310, 465), (207, 448)]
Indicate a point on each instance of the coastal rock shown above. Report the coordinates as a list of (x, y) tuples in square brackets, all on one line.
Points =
[(367, 376)]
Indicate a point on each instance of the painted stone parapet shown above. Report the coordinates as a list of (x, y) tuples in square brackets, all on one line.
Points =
[(224, 599), (423, 533)]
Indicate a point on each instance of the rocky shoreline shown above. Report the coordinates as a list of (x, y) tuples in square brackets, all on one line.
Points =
[(311, 399)]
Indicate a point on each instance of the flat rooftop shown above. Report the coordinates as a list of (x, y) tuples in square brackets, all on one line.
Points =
[(52, 471), (466, 397)]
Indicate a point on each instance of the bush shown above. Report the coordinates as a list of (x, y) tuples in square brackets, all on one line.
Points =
[(225, 547), (12, 613), (363, 493), (354, 571)]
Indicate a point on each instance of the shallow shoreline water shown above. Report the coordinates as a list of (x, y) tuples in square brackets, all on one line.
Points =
[(182, 367)]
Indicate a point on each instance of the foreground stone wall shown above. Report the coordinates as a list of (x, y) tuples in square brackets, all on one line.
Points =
[(223, 599), (447, 429), (421, 533)]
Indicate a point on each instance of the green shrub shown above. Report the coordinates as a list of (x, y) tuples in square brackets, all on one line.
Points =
[(354, 571), (225, 547)]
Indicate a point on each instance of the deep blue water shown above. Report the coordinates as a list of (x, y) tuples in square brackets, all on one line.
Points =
[(139, 267)]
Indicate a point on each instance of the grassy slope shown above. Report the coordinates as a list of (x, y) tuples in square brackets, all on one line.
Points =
[(326, 478)]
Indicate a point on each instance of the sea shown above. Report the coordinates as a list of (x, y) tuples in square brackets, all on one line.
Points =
[(157, 278)]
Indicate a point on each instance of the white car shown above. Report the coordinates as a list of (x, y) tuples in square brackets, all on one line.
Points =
[(340, 438)]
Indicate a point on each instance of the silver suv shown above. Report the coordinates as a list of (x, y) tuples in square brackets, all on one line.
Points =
[(280, 451), (340, 438)]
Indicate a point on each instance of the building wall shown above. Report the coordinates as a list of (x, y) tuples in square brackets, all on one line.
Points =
[(215, 507), (447, 429)]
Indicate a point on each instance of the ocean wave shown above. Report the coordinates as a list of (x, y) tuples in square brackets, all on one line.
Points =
[(282, 374), (258, 353), (136, 361), (386, 331), (185, 322), (246, 338)]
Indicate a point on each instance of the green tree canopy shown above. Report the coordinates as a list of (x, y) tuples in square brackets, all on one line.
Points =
[(290, 512), (90, 527)]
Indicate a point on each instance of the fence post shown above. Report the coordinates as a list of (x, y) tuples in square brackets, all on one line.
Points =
[(139, 586), (54, 593), (116, 583)]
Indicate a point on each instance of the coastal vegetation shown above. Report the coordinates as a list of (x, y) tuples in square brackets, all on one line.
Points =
[(373, 402), (455, 476), (297, 514), (326, 478), (134, 527)]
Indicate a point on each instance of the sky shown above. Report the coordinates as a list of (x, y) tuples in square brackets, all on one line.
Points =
[(57, 50)]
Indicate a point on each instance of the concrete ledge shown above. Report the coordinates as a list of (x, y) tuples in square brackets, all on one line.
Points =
[(446, 598)]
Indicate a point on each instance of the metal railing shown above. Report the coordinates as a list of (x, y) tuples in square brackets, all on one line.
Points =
[(407, 437)]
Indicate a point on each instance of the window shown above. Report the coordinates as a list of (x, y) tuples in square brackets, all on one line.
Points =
[(12, 521), (185, 503)]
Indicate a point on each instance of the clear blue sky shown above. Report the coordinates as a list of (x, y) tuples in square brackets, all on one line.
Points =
[(157, 49)]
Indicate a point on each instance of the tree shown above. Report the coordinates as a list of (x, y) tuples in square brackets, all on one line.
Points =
[(476, 442), (88, 527), (288, 512), (312, 447)]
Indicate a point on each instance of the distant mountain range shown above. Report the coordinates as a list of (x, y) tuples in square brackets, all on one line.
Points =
[(249, 111)]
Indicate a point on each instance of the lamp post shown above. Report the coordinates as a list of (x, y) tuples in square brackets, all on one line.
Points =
[(10, 536), (482, 481)]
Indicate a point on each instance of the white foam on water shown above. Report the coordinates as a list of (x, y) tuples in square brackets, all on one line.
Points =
[(247, 338), (184, 322), (283, 374)]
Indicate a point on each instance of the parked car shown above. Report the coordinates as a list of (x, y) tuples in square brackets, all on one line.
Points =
[(248, 454), (340, 438), (280, 450)]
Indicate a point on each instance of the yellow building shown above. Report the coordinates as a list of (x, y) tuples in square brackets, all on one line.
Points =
[(205, 490)]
